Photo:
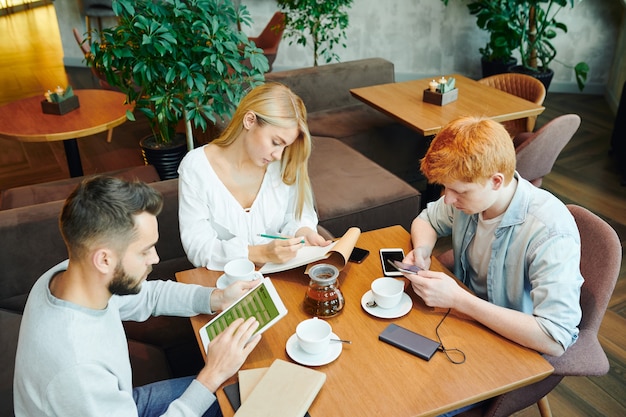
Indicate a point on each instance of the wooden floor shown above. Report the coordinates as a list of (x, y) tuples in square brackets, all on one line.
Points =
[(584, 174)]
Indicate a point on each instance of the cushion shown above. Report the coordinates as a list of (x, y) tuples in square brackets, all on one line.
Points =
[(59, 190), (346, 121), (351, 190), (328, 86), (10, 325)]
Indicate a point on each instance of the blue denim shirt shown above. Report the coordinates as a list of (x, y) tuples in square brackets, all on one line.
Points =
[(535, 257)]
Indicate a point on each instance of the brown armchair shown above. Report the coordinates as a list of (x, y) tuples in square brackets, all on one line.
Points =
[(521, 85), (601, 257), (270, 38)]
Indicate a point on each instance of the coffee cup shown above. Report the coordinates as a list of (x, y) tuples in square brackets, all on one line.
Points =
[(240, 270), (313, 335), (387, 292)]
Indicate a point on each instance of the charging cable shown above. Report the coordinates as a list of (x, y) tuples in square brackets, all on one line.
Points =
[(454, 355)]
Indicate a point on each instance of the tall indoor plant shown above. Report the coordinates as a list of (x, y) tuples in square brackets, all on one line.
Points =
[(494, 17), (536, 25), (179, 60), (324, 22)]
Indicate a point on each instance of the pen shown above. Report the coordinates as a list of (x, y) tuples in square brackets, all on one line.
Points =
[(272, 237), (278, 237)]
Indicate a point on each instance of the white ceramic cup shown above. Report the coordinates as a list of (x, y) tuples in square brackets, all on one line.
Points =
[(313, 335), (387, 292), (240, 270)]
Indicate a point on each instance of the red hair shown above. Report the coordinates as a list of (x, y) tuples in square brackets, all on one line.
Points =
[(469, 149)]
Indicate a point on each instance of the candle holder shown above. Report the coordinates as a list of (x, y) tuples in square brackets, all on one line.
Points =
[(60, 102), (445, 93), (62, 107), (440, 99)]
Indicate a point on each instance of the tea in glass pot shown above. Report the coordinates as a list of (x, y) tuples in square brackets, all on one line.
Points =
[(323, 298)]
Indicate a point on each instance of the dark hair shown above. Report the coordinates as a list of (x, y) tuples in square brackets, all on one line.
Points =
[(101, 210)]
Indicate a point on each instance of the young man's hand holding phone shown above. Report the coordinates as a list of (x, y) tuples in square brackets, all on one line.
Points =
[(407, 268), (419, 256)]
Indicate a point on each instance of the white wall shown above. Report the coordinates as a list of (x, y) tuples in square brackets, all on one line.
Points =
[(423, 38)]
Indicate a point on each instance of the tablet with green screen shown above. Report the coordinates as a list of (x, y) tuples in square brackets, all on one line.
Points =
[(261, 302)]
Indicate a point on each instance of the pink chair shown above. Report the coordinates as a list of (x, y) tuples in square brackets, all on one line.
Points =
[(270, 38), (537, 151), (601, 257)]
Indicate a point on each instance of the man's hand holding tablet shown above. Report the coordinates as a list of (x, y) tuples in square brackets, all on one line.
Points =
[(261, 302)]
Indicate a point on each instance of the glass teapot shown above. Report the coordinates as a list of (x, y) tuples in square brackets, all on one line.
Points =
[(323, 298)]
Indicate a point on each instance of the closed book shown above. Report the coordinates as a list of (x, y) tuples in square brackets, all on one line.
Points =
[(285, 390)]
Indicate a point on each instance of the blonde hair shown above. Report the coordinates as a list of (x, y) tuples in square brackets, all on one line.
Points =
[(469, 149), (275, 104)]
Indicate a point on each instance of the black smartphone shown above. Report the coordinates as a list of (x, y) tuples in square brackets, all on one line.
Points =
[(358, 255), (409, 341)]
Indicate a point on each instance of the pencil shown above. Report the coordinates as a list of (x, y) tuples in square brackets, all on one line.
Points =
[(272, 237)]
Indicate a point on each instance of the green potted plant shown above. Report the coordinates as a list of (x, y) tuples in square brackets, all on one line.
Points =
[(178, 60), (536, 25), (494, 17), (325, 22)]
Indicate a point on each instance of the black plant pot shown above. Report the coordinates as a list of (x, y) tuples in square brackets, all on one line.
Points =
[(544, 76), (165, 158), (496, 67)]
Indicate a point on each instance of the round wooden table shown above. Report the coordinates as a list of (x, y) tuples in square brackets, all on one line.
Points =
[(99, 111)]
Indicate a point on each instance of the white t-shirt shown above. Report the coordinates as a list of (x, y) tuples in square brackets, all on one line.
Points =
[(479, 254), (215, 229)]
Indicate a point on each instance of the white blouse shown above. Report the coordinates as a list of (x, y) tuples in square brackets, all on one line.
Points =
[(215, 229)]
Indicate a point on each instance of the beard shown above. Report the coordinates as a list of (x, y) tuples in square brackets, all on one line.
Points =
[(125, 284)]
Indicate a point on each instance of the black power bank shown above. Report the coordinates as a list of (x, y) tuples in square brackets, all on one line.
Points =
[(409, 341)]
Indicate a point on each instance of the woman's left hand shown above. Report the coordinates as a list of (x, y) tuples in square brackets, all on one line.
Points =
[(312, 237)]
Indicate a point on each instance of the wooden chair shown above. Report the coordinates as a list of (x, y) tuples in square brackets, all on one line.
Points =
[(521, 85), (96, 9), (600, 261), (84, 47), (270, 37), (536, 152)]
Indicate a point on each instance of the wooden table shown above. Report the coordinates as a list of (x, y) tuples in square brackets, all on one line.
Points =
[(99, 111), (403, 101), (371, 378)]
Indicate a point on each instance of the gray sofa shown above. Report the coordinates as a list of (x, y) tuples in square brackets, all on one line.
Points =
[(350, 190)]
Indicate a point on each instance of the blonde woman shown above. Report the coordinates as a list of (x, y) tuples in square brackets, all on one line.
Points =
[(251, 181)]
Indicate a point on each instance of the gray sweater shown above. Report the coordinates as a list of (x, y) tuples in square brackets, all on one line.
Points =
[(73, 361)]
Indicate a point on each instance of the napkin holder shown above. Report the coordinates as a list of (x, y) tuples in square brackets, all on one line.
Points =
[(62, 107), (440, 99)]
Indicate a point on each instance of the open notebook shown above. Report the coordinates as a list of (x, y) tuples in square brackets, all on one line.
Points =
[(337, 254)]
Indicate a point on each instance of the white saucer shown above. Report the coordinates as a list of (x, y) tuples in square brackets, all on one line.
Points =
[(296, 353), (405, 305), (222, 281)]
